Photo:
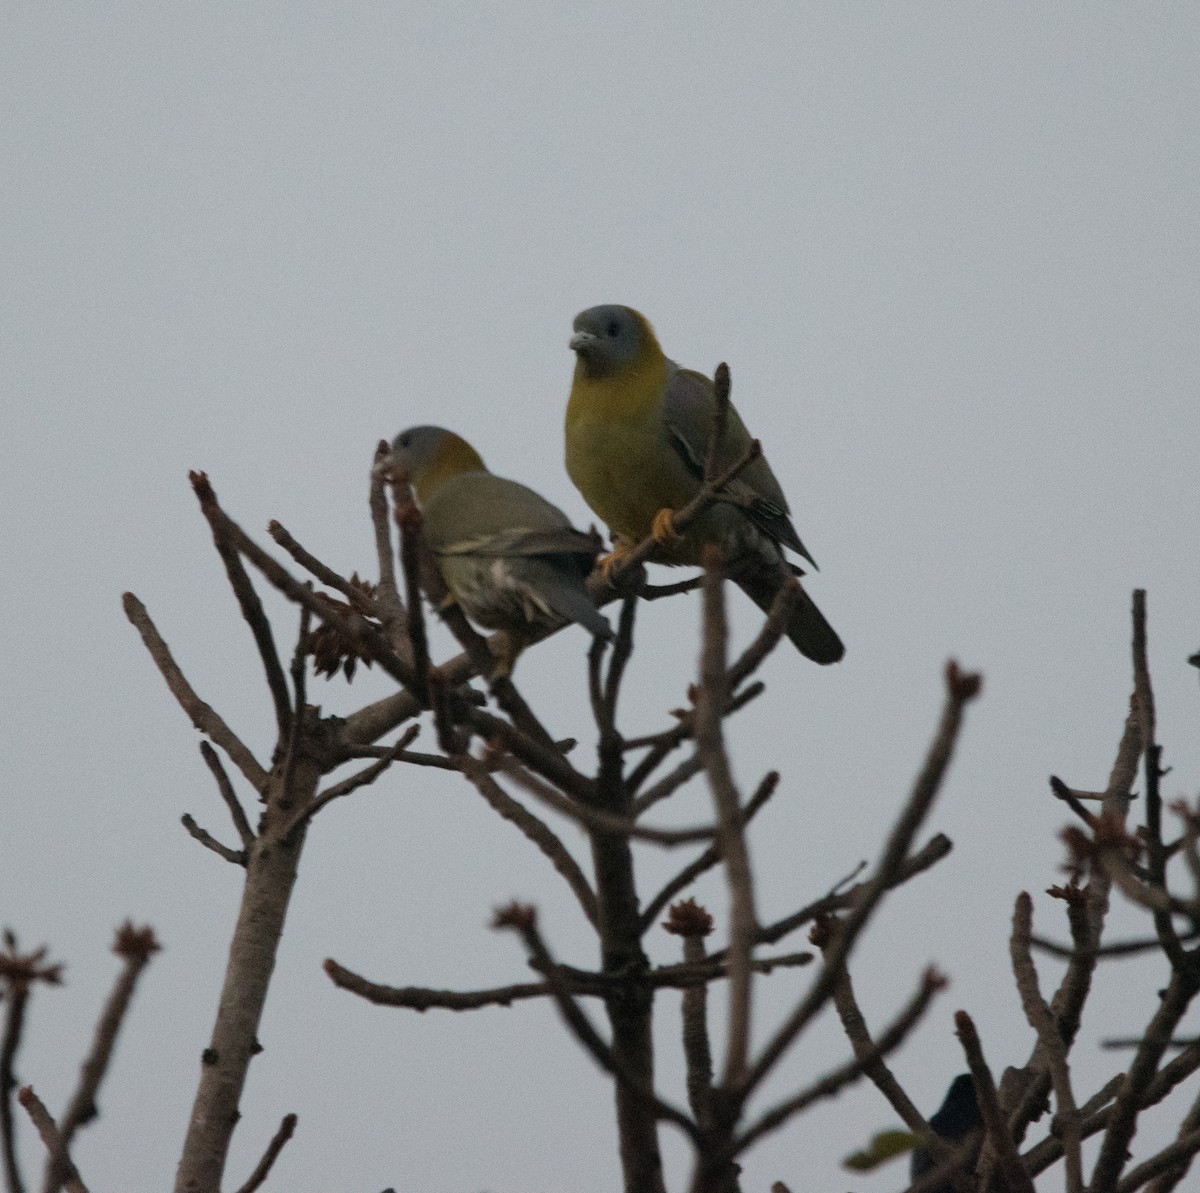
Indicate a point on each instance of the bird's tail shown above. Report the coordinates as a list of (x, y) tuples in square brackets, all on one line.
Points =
[(810, 633), (565, 594)]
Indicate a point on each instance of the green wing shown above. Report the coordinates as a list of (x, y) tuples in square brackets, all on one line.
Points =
[(689, 409), (482, 514)]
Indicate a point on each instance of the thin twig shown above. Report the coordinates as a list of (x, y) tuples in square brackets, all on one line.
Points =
[(1151, 754), (855, 1026), (832, 1083), (535, 830), (1113, 1043), (263, 1168), (248, 600), (353, 627), (136, 946), (412, 544), (238, 857), (352, 783), (619, 659), (1072, 800), (1119, 948), (16, 996), (595, 818), (662, 744), (998, 1138), (1114, 1150), (1037, 1012), (709, 858), (769, 635), (202, 715), (710, 745), (213, 761), (414, 757), (387, 596), (512, 753), (581, 982), (595, 681), (419, 998), (523, 920), (538, 752), (689, 768), (961, 689), (43, 1121), (299, 672), (714, 967), (657, 592), (326, 575), (932, 852)]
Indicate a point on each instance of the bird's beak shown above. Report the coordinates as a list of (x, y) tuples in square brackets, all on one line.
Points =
[(581, 341)]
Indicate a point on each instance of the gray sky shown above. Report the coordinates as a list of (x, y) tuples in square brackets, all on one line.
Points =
[(951, 254)]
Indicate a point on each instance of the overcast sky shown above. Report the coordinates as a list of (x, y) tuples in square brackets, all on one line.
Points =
[(951, 254)]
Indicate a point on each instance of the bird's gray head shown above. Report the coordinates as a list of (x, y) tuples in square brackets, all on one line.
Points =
[(415, 449), (610, 337), (427, 456)]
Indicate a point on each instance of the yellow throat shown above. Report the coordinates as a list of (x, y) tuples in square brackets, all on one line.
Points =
[(454, 456)]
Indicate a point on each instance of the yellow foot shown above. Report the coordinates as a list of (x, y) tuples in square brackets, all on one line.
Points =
[(606, 563), (662, 529), (448, 601)]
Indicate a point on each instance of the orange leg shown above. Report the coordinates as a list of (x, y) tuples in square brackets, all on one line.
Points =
[(606, 563), (662, 529)]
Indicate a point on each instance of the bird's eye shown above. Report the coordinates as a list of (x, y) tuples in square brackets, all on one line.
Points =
[(613, 329), (405, 440)]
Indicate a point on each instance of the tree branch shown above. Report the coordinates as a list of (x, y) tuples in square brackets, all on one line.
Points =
[(263, 1168), (202, 715), (135, 946), (961, 689), (709, 858), (50, 1136), (225, 787), (832, 1083), (535, 830), (996, 1133), (710, 745), (1037, 1012), (523, 920), (236, 856)]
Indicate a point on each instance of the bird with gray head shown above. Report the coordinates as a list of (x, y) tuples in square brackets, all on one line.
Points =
[(637, 433), (511, 560)]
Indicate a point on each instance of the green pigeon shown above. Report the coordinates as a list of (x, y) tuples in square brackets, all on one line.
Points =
[(637, 434), (511, 560)]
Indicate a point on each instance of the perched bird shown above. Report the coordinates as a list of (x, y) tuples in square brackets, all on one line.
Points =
[(638, 429), (511, 560), (955, 1119)]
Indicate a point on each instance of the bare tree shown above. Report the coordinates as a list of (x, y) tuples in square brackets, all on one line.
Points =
[(495, 740)]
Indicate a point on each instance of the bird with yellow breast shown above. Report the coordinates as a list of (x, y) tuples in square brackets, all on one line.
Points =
[(637, 436)]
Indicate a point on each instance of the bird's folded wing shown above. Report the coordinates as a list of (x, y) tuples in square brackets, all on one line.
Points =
[(689, 407), (520, 541)]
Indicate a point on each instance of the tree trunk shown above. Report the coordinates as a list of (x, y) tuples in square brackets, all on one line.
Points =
[(270, 877)]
